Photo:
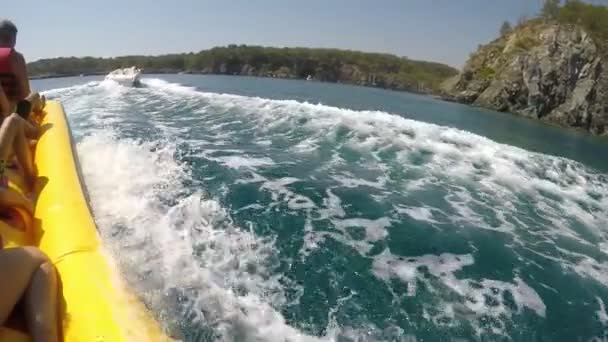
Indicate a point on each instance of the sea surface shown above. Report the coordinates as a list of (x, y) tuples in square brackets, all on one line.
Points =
[(248, 209)]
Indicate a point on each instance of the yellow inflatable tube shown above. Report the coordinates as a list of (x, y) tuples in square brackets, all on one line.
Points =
[(95, 304)]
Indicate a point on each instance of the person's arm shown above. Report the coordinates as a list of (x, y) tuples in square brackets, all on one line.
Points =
[(20, 72), (5, 105)]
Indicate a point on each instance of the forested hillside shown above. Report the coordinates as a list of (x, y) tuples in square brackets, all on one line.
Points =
[(329, 65)]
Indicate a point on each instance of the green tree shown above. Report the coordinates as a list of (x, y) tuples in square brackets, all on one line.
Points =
[(331, 65), (505, 28), (593, 18), (551, 9)]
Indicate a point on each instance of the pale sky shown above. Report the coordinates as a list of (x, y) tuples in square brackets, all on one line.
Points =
[(437, 30)]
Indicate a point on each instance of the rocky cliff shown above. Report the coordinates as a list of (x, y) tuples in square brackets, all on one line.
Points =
[(543, 70)]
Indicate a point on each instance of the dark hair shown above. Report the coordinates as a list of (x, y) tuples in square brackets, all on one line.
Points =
[(8, 30), (24, 107)]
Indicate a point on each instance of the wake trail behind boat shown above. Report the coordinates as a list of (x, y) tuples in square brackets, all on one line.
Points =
[(240, 217)]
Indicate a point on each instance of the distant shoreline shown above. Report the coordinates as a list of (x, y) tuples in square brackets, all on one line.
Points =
[(166, 72), (377, 70), (42, 77)]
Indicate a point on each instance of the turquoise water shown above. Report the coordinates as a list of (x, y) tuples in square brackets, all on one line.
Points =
[(246, 209)]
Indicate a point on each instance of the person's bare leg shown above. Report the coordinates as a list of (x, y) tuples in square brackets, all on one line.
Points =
[(30, 128), (12, 139), (26, 111), (5, 105), (41, 304), (26, 160), (14, 199), (7, 136), (17, 266)]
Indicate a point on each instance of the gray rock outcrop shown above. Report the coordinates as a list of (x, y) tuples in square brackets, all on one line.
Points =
[(545, 71)]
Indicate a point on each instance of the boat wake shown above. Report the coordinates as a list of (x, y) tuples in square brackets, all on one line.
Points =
[(176, 246), (192, 190)]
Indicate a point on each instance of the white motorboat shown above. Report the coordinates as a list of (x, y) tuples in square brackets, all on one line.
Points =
[(127, 76)]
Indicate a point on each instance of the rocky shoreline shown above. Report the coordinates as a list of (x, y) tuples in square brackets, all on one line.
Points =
[(541, 70)]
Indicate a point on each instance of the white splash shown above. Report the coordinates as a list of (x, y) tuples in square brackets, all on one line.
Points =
[(601, 313), (191, 246), (477, 299)]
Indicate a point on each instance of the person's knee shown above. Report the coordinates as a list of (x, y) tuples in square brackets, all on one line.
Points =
[(13, 120), (47, 275), (36, 255), (48, 269)]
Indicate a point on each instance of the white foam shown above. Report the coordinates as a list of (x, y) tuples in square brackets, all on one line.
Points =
[(375, 230), (352, 182), (454, 154), (590, 268), (306, 146), (472, 304), (237, 162), (280, 192), (601, 313), (387, 265), (254, 206), (312, 240), (333, 206), (525, 296), (480, 176), (68, 91), (230, 283), (158, 83), (423, 214)]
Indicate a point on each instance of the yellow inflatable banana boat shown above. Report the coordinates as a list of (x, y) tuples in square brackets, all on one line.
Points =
[(95, 305)]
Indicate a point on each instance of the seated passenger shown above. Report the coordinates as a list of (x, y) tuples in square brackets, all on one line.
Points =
[(29, 277), (14, 142), (13, 71)]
